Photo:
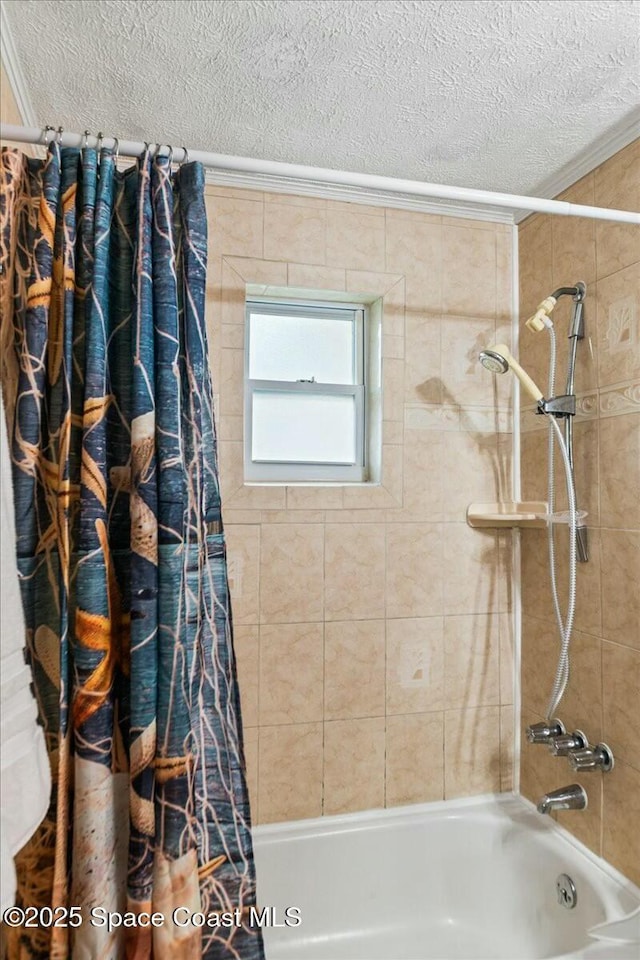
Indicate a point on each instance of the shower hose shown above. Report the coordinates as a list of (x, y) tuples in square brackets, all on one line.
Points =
[(565, 625)]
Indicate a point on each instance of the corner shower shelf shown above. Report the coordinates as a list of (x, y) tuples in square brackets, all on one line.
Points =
[(531, 513)]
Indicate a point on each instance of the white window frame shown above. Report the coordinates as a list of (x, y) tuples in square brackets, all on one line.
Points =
[(290, 471)]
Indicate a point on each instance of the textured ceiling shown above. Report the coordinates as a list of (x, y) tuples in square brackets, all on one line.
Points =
[(498, 95)]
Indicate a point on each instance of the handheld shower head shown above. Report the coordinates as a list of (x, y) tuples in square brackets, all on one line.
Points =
[(499, 359), (493, 361)]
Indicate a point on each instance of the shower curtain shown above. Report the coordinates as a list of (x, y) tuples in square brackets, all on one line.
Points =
[(122, 562)]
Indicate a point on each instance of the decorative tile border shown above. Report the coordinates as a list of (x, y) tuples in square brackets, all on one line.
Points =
[(623, 398), (614, 401), (587, 406), (450, 417)]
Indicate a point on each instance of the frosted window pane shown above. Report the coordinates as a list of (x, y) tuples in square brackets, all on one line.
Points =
[(299, 348), (304, 428)]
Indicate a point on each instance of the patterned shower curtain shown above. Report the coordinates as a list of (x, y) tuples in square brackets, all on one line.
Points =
[(122, 560)]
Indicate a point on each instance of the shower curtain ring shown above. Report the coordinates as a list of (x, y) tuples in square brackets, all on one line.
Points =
[(85, 140), (46, 134), (116, 147), (59, 133), (169, 155), (185, 159), (99, 142)]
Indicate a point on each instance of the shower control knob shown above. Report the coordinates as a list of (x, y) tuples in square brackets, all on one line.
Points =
[(562, 745), (599, 757), (544, 732)]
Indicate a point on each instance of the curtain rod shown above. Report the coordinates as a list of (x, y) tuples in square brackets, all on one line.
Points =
[(273, 168)]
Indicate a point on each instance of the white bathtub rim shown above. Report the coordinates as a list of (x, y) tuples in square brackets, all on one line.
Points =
[(374, 816), (503, 803)]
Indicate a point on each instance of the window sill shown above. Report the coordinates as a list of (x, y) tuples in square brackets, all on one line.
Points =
[(312, 483)]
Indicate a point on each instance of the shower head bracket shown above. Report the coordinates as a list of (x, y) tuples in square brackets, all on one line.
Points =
[(562, 406)]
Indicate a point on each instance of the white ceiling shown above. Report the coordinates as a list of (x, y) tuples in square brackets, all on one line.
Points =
[(496, 95)]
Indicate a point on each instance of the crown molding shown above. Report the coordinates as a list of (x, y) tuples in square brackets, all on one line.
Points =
[(601, 149), (373, 198), (15, 75), (604, 147)]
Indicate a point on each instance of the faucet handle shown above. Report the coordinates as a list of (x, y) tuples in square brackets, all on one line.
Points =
[(562, 745), (599, 757), (545, 731)]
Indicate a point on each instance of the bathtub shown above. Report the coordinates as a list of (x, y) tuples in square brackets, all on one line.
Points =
[(456, 880)]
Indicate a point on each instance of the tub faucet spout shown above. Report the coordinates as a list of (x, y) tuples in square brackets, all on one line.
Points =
[(573, 797)]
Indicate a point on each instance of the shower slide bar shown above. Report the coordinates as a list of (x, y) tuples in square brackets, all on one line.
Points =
[(320, 175)]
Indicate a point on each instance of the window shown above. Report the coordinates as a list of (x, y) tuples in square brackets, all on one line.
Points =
[(304, 391)]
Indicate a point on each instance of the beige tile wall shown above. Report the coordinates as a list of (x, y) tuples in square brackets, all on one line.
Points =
[(604, 692), (9, 113), (372, 625)]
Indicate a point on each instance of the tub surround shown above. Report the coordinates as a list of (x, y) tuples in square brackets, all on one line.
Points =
[(602, 698), (373, 626)]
